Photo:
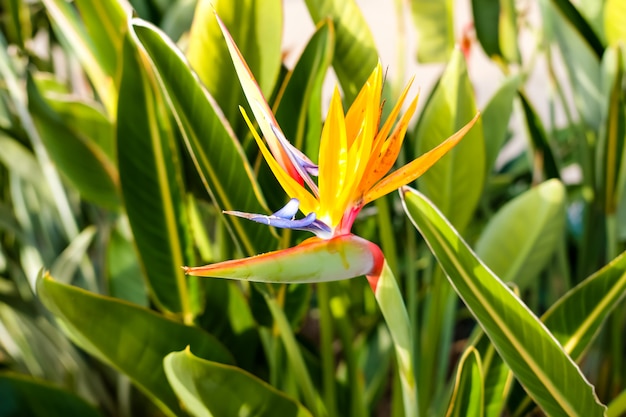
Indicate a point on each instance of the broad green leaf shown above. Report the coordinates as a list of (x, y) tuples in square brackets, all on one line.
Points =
[(256, 27), (299, 111), (434, 21), (496, 116), (521, 238), (355, 51), (576, 318), (86, 118), (25, 396), (151, 181), (455, 182), (209, 388), (218, 157), (614, 18), (468, 395), (96, 41), (581, 62), (81, 160), (539, 139), (570, 12), (547, 373), (146, 337)]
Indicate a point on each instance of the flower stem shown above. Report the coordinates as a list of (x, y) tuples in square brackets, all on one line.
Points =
[(395, 314)]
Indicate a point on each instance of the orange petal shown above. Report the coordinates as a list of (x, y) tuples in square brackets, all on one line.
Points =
[(417, 167), (389, 152)]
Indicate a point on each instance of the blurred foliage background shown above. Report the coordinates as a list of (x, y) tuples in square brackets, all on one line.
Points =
[(116, 160)]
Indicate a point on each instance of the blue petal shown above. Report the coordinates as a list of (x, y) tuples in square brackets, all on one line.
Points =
[(290, 209), (285, 219)]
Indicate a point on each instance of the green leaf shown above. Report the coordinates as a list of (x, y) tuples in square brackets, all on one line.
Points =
[(146, 337), (96, 41), (86, 118), (212, 389), (539, 139), (581, 60), (521, 238), (610, 145), (496, 116), (151, 181), (434, 22), (581, 25), (355, 51), (614, 18), (24, 396), (576, 318), (256, 27), (455, 182), (218, 157), (79, 158), (468, 395), (299, 111), (547, 373), (495, 22)]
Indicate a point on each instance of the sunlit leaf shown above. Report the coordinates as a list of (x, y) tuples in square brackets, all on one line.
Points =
[(455, 182), (468, 395), (547, 373), (209, 388), (521, 238), (258, 39), (355, 51), (435, 28), (146, 337)]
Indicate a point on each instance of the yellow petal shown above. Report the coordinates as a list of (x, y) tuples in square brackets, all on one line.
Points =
[(332, 161), (364, 100), (414, 169), (308, 203)]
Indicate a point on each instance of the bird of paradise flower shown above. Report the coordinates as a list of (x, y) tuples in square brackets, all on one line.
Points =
[(356, 153)]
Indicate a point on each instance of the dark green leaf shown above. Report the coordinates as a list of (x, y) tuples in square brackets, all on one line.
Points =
[(24, 396), (217, 155), (151, 181)]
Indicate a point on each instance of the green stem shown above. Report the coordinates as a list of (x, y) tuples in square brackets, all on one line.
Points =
[(396, 316), (326, 349)]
